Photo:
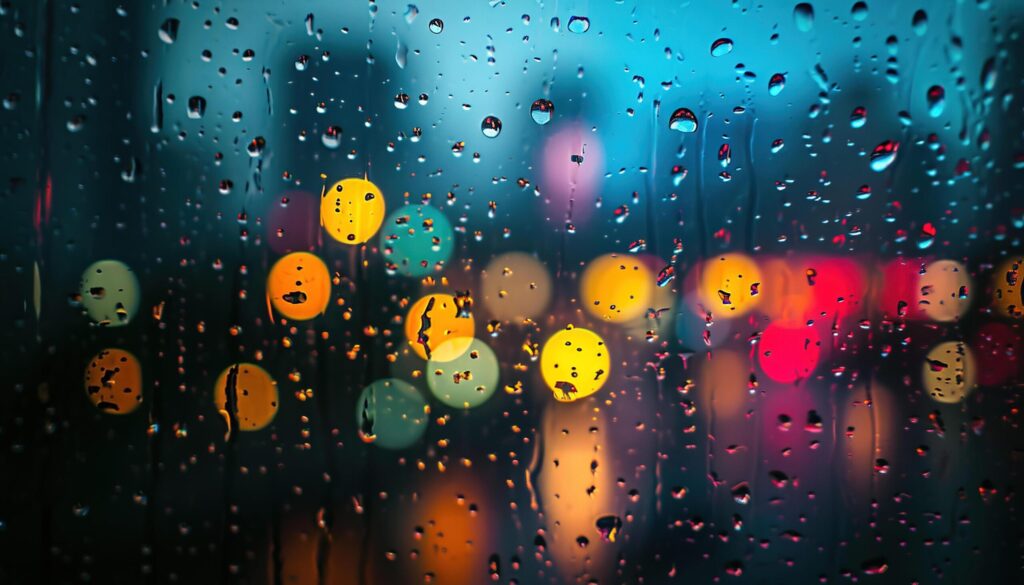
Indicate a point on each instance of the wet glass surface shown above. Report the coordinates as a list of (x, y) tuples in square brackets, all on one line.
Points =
[(501, 292)]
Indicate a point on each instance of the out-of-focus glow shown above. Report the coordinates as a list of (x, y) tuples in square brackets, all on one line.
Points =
[(299, 286), (658, 317), (391, 413), (572, 166), (730, 285), (467, 381), (417, 240), (110, 292), (576, 486), (616, 288), (943, 290), (113, 381), (788, 352), (837, 286), (786, 294), (352, 210), (574, 363), (949, 372), (899, 288), (1006, 287), (514, 287), (435, 319), (293, 223), (722, 384), (997, 348), (255, 395)]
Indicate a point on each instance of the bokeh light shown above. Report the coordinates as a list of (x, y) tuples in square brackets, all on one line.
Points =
[(434, 320), (788, 352), (616, 287), (730, 285), (110, 293), (949, 372), (514, 287), (113, 381), (416, 240), (944, 293), (467, 381), (391, 413), (352, 210), (299, 286), (574, 363), (255, 394)]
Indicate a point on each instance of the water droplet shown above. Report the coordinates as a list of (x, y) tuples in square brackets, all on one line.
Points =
[(859, 11), (256, 146), (436, 25), (803, 17), (683, 120), (920, 23), (721, 47), (491, 126), (884, 155), (936, 101), (776, 84), (858, 117), (402, 101), (168, 32), (578, 24), (541, 111), (196, 107), (331, 138)]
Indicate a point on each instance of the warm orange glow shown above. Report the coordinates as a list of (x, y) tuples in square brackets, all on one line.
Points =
[(434, 319), (113, 381), (255, 394), (299, 286), (730, 285), (616, 288), (949, 373), (944, 289)]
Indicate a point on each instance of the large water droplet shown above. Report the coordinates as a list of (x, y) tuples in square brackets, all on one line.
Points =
[(491, 126), (721, 47), (920, 23), (683, 120), (859, 12), (578, 24), (884, 155), (436, 25), (803, 17), (168, 32), (776, 84), (541, 111)]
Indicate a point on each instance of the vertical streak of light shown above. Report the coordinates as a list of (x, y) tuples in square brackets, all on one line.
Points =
[(649, 185), (752, 188)]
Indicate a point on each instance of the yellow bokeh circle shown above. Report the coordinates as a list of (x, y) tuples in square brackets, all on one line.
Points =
[(255, 395), (949, 372), (435, 319), (616, 288), (113, 381), (574, 363), (299, 286), (730, 285), (352, 211)]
